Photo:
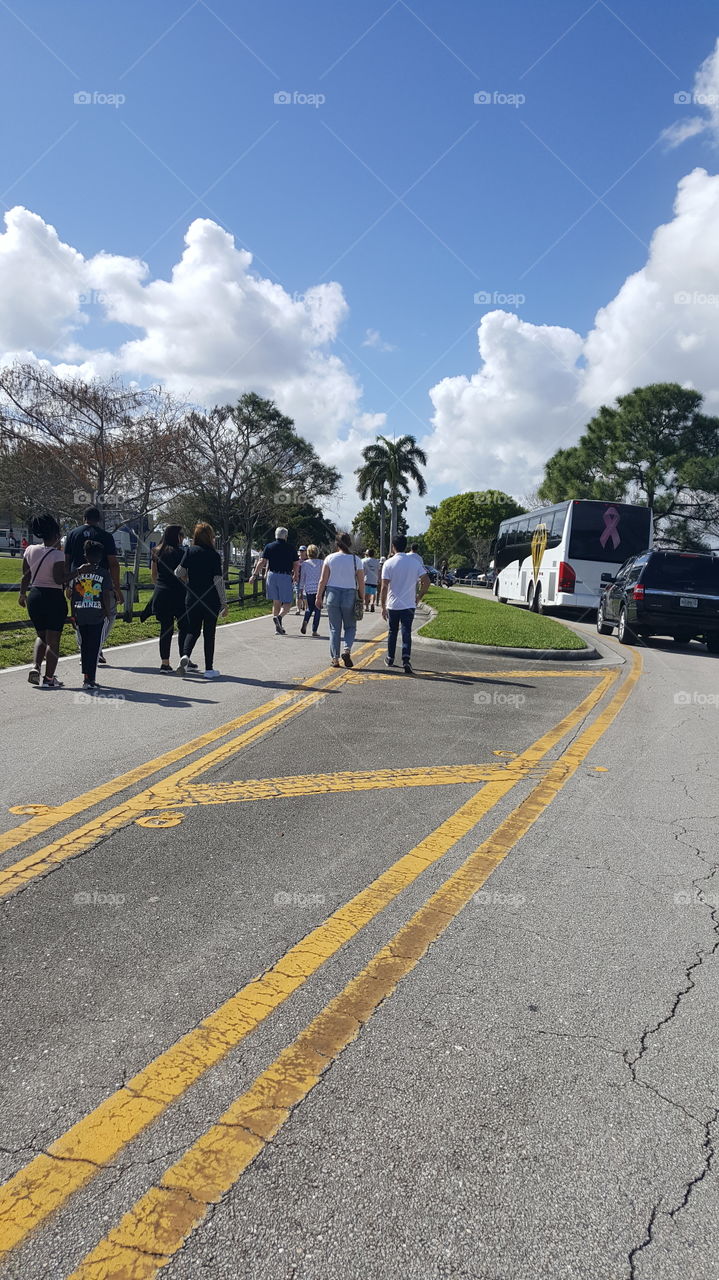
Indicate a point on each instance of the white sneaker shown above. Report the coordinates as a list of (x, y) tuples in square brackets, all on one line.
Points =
[(212, 674)]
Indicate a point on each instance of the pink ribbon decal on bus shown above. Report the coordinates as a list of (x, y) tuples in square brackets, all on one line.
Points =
[(611, 526)]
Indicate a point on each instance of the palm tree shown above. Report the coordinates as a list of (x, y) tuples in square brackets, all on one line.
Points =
[(390, 466)]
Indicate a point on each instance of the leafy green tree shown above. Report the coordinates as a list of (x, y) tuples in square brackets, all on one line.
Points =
[(247, 467), (306, 524), (391, 466), (655, 447), (461, 528), (367, 524)]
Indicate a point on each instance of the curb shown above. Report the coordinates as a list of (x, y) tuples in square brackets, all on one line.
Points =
[(534, 655)]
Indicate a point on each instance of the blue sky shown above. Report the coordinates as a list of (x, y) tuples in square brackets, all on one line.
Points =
[(316, 192)]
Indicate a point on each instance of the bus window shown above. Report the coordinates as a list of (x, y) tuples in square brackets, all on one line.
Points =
[(608, 532), (555, 526)]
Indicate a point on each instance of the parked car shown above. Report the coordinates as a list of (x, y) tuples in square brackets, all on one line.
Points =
[(663, 593), (435, 576), (10, 540)]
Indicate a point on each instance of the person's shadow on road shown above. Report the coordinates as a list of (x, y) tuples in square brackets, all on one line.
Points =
[(197, 677), (170, 701)]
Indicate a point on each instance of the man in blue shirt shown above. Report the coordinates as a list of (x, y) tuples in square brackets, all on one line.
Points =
[(280, 564), (75, 541)]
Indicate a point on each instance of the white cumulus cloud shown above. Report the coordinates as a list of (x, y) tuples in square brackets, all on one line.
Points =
[(537, 386), (214, 329)]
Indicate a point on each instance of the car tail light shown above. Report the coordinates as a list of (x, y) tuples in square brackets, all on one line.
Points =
[(638, 592), (567, 577)]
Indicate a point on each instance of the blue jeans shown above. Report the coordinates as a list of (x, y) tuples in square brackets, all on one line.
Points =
[(341, 613), (405, 618), (312, 611)]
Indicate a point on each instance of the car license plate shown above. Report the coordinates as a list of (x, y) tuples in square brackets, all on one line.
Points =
[(688, 602)]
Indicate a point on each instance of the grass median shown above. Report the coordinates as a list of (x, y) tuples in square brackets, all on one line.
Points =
[(478, 620), (16, 646)]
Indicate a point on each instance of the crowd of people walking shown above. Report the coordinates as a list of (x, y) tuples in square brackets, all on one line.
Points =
[(82, 580)]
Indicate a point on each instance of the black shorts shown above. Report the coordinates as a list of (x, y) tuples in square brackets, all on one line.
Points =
[(47, 608)]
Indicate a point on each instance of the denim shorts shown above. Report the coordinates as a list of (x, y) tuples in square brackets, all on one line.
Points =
[(279, 587)]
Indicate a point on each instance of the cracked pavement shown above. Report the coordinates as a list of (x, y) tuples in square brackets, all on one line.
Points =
[(538, 1096)]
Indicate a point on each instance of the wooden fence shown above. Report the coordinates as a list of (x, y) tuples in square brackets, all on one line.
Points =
[(238, 591)]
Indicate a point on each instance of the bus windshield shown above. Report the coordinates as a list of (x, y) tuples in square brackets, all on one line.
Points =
[(608, 532)]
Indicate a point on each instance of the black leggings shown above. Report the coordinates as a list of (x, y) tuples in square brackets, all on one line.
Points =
[(311, 596), (199, 618), (167, 612), (90, 638)]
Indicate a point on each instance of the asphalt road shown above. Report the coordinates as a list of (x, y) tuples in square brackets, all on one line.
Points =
[(514, 1079)]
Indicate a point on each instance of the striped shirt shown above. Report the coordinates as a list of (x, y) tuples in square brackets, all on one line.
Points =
[(310, 573)]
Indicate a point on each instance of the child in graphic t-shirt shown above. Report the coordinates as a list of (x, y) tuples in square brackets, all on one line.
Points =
[(91, 595)]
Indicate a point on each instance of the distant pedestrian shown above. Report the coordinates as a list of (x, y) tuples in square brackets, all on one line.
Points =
[(91, 530), (299, 594), (443, 571), (280, 564), (404, 582), (91, 599), (168, 601), (310, 573), (42, 591), (370, 564), (342, 579), (201, 571)]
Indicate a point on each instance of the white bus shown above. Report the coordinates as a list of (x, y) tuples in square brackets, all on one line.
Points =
[(556, 555)]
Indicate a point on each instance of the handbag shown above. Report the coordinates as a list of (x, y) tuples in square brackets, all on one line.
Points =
[(358, 607)]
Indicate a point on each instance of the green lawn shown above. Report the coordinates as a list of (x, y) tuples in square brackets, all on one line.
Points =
[(16, 646), (473, 620)]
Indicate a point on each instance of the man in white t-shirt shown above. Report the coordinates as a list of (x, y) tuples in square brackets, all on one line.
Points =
[(404, 582), (370, 564)]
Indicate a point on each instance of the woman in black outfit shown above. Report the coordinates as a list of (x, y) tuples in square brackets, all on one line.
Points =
[(168, 602), (201, 571)]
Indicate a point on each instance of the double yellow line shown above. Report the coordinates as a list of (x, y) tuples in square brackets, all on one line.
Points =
[(159, 1222), (37, 864)]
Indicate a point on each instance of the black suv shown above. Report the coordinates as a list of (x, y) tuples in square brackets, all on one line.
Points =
[(663, 593)]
